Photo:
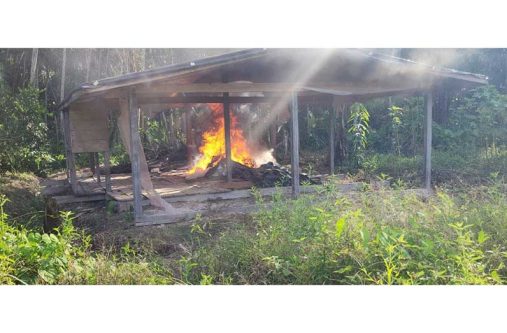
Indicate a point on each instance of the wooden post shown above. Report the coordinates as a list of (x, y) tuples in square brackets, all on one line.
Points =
[(427, 139), (107, 156), (227, 127), (71, 163), (107, 170), (294, 157), (332, 121), (135, 145), (97, 167), (191, 148)]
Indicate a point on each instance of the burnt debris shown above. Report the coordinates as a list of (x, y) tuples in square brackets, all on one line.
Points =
[(266, 175)]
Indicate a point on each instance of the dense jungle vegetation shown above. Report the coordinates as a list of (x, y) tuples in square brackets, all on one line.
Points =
[(388, 236)]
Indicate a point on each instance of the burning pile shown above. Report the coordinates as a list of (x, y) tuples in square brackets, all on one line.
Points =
[(248, 162), (212, 150)]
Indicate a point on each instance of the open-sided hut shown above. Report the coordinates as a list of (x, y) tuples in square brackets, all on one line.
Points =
[(282, 77)]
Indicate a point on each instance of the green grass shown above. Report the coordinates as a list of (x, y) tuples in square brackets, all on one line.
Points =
[(65, 257), (26, 205), (452, 169), (373, 238), (457, 236)]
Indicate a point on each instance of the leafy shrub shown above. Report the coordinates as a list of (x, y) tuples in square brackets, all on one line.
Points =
[(478, 119), (359, 120), (64, 257), (24, 142), (26, 205), (448, 168), (374, 238)]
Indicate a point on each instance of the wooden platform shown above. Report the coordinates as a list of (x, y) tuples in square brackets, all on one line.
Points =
[(172, 184), (190, 197)]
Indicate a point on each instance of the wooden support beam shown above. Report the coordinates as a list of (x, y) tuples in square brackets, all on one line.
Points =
[(151, 99), (71, 163), (156, 94), (164, 99), (294, 157), (428, 121), (135, 146), (143, 100), (340, 88), (107, 155), (107, 170), (227, 130), (332, 137), (97, 167)]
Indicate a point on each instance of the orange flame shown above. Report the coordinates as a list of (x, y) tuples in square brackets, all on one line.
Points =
[(212, 149)]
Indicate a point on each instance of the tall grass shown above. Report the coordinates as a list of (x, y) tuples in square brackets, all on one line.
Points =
[(388, 237)]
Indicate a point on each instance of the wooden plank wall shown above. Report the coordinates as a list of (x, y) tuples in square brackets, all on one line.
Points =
[(88, 128)]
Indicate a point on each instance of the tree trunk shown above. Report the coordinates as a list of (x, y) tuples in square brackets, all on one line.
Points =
[(147, 55), (99, 73), (504, 53), (107, 67), (88, 62), (34, 82), (285, 142), (142, 61), (62, 82), (172, 129), (272, 135), (342, 135), (58, 117)]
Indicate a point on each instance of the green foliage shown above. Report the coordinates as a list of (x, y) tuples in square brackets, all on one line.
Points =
[(378, 238), (359, 129), (396, 114), (396, 128), (65, 257), (314, 127), (407, 168), (156, 137), (448, 167), (477, 122), (24, 142)]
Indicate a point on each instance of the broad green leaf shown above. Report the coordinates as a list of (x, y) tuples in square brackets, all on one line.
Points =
[(340, 225), (482, 237)]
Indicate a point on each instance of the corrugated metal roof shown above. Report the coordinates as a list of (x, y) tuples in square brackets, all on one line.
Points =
[(177, 70), (443, 71), (158, 73)]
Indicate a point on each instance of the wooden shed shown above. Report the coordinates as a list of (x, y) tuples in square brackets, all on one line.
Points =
[(283, 78)]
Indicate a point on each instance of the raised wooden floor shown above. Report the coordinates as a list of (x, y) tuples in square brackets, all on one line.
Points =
[(173, 184), (189, 197)]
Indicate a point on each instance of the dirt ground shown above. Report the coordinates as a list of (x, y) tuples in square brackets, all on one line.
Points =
[(111, 231), (24, 203)]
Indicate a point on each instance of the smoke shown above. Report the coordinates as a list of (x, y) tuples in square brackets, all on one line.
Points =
[(451, 58), (345, 72), (263, 156)]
